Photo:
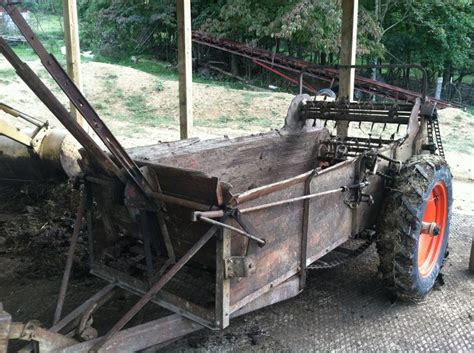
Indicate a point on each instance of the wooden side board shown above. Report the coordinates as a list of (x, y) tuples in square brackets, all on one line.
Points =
[(244, 162), (330, 219), (282, 227)]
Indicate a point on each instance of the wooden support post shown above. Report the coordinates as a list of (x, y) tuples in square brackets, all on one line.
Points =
[(222, 283), (348, 56), (73, 54), (183, 9)]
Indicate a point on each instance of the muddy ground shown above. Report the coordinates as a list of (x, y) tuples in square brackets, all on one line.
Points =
[(342, 309)]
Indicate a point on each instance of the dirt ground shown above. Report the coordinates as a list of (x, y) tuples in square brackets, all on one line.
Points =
[(142, 109), (342, 309)]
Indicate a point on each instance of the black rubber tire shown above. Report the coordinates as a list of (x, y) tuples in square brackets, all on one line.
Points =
[(399, 226), (326, 92)]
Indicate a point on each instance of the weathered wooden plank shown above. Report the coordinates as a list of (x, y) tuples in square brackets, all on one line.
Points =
[(190, 184), (330, 219), (142, 336), (281, 228), (244, 162)]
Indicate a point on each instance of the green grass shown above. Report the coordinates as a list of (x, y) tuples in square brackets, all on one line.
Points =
[(155, 68), (248, 98), (141, 113), (167, 71), (459, 139), (459, 143), (7, 75), (50, 31)]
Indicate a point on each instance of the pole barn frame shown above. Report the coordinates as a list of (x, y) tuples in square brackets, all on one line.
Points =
[(348, 56), (73, 52), (185, 66)]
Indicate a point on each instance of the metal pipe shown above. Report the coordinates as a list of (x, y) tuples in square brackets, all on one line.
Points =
[(395, 161), (156, 288), (55, 156), (237, 230), (295, 199), (70, 256), (208, 214), (305, 197), (17, 114)]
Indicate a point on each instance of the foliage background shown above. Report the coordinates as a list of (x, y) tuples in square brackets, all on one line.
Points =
[(437, 34)]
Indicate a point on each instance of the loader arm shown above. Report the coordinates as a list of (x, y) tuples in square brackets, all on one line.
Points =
[(121, 159)]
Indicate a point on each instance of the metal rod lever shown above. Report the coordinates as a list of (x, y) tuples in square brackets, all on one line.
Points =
[(237, 230), (17, 114), (70, 256), (305, 197)]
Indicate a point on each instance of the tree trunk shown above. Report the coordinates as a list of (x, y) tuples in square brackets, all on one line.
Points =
[(447, 73), (323, 58), (234, 64)]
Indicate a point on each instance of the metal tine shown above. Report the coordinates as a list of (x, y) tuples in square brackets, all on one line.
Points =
[(372, 127), (398, 128), (384, 127)]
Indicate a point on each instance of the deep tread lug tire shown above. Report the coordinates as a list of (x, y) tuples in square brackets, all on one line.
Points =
[(399, 240)]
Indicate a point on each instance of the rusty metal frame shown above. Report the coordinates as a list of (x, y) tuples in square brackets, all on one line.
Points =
[(304, 231), (320, 72)]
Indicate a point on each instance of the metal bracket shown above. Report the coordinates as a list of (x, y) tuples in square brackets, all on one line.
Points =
[(38, 137), (260, 241), (238, 266), (354, 202)]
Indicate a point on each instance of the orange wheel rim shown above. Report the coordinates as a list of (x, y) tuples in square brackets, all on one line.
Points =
[(429, 246)]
